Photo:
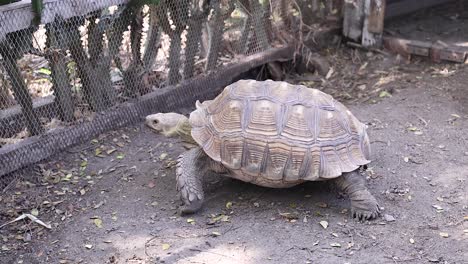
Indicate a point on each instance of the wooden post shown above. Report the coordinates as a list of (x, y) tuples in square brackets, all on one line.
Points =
[(20, 90), (374, 13), (353, 17)]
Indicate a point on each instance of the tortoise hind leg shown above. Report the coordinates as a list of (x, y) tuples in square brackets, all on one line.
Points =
[(191, 167), (363, 203)]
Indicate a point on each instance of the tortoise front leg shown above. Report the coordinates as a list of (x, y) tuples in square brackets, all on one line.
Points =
[(363, 203), (191, 167)]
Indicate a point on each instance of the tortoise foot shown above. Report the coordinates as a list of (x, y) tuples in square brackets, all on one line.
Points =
[(191, 208), (364, 206)]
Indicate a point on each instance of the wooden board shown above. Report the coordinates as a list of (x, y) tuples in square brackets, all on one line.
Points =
[(17, 16)]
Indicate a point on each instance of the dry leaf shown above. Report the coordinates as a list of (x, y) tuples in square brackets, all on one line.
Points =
[(35, 212), (335, 244), (163, 156), (324, 224), (98, 222), (165, 246), (443, 234)]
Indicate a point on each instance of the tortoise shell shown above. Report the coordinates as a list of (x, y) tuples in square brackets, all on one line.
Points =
[(275, 133)]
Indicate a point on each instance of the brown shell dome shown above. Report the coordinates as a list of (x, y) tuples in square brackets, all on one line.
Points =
[(280, 132)]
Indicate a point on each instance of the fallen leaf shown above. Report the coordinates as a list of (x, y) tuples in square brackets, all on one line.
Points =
[(322, 205), (163, 156), (438, 207), (214, 233), (289, 216), (97, 152), (335, 244), (384, 94), (455, 115), (165, 246), (444, 234), (411, 241), (191, 221), (88, 246), (228, 205), (98, 222), (35, 212), (329, 73), (110, 151), (120, 156), (406, 159), (324, 224), (151, 184)]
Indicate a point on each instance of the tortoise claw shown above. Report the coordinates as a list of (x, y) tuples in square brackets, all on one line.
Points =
[(371, 212), (191, 208)]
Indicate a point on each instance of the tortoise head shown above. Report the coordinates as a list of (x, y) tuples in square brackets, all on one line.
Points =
[(170, 125)]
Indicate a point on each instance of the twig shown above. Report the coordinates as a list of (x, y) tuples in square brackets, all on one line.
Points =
[(422, 119), (147, 242), (32, 217), (359, 46)]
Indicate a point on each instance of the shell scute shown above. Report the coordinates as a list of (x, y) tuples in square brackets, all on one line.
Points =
[(274, 133)]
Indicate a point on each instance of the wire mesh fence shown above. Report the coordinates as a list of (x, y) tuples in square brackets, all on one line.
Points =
[(82, 58)]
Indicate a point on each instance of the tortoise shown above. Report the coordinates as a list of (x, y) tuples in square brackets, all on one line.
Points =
[(272, 134)]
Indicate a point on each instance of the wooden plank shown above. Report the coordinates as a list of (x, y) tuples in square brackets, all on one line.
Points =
[(353, 19), (437, 51), (203, 87), (374, 11), (376, 16), (12, 120), (17, 16)]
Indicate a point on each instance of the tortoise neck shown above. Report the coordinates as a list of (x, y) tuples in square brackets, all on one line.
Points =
[(184, 130)]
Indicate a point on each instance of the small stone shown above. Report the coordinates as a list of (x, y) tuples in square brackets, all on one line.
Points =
[(389, 218)]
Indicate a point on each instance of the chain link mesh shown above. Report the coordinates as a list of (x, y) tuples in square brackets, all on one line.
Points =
[(90, 56)]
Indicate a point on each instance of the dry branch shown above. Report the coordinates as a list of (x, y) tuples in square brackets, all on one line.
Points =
[(11, 49), (199, 13), (179, 16), (216, 30), (60, 77)]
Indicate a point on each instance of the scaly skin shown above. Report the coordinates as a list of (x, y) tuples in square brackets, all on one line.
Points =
[(363, 204), (191, 167)]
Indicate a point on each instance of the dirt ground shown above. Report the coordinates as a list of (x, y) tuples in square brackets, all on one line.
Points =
[(113, 200)]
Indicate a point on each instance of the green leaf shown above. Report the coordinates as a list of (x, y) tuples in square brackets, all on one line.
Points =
[(384, 94), (44, 71)]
